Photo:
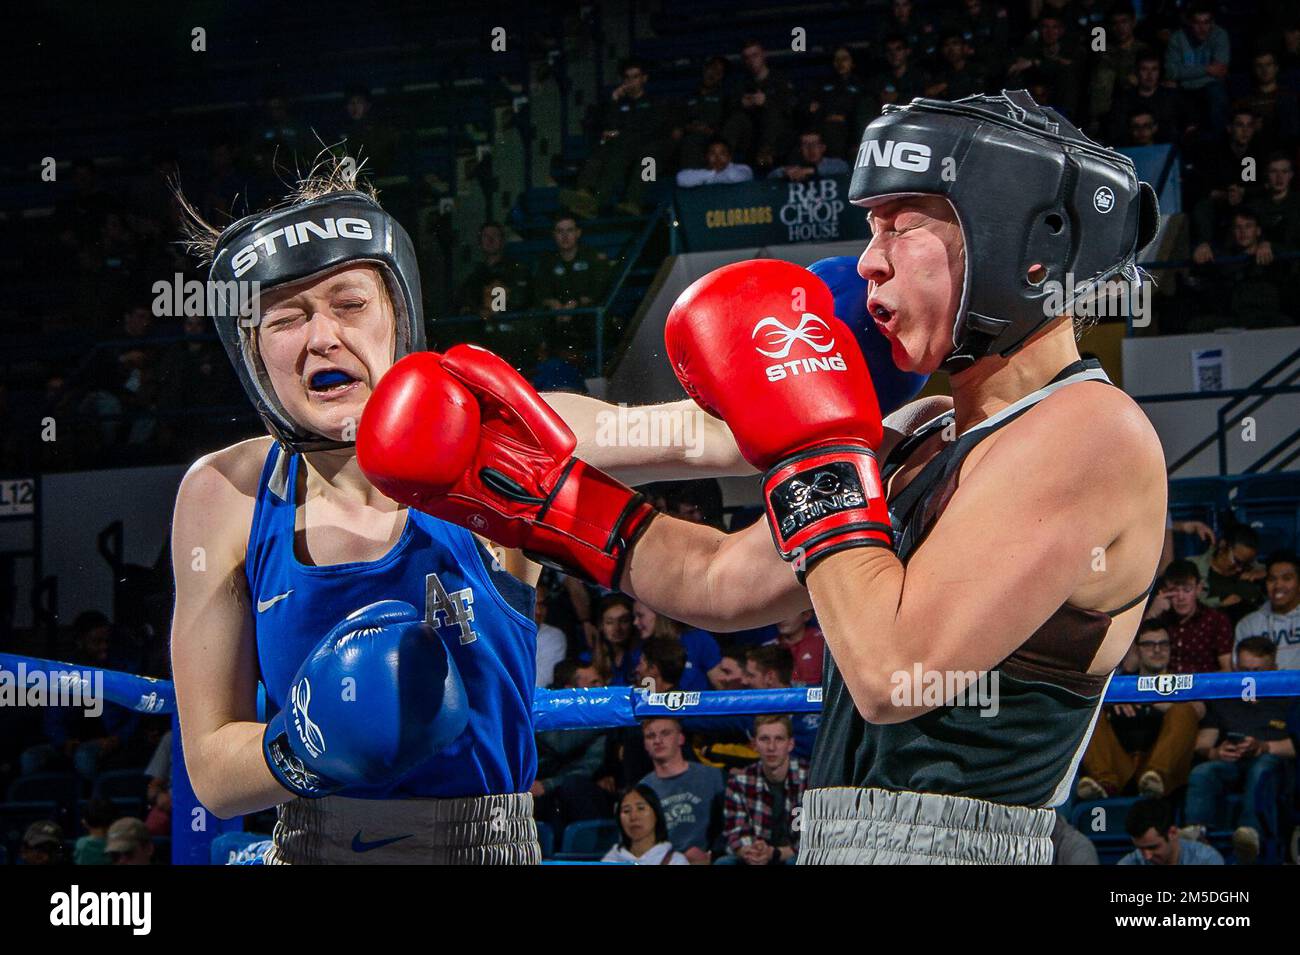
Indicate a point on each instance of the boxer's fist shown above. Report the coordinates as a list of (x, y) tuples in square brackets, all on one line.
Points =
[(377, 697), (757, 343), (464, 437)]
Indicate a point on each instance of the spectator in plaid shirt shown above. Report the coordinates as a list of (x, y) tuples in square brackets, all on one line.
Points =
[(761, 801)]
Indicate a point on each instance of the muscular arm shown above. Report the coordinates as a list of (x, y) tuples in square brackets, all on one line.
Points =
[(715, 581), (723, 582), (214, 661), (688, 443), (1033, 523)]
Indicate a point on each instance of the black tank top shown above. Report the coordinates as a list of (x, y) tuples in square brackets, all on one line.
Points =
[(1026, 754)]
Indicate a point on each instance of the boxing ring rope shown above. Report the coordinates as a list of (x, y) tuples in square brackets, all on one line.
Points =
[(194, 828)]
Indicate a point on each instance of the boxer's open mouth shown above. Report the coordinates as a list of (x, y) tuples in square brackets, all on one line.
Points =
[(330, 381), (881, 314)]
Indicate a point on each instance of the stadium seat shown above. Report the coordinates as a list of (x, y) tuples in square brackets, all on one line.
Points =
[(546, 836), (127, 789), (16, 816), (1111, 840), (162, 850), (1198, 499), (589, 839), (64, 789)]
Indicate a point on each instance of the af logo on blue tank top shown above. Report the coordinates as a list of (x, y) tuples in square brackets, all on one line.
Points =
[(444, 609), (484, 616)]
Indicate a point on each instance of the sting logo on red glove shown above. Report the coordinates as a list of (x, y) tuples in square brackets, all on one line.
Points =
[(811, 495), (824, 499), (782, 337), (757, 344)]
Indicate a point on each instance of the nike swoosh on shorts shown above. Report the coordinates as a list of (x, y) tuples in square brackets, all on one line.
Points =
[(359, 845)]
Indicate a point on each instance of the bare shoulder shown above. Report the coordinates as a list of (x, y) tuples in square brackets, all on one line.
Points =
[(1103, 417), (1091, 433), (216, 496), (235, 470)]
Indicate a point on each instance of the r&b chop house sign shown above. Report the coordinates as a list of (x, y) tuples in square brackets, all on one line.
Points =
[(768, 212)]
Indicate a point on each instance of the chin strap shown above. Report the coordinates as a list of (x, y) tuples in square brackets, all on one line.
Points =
[(974, 345)]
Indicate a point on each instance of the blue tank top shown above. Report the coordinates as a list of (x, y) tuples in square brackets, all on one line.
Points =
[(483, 616)]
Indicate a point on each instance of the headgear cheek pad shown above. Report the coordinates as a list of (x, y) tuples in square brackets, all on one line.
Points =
[(1047, 214), (292, 244), (894, 387)]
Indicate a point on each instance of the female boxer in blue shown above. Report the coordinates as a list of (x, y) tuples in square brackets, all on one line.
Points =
[(397, 652)]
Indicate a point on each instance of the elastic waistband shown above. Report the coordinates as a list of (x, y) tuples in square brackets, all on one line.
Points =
[(845, 826), (477, 830)]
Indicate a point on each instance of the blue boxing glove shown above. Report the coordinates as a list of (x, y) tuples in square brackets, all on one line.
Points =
[(894, 388), (377, 697)]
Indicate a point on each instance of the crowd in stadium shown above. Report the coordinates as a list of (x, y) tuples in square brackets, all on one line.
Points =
[(146, 387)]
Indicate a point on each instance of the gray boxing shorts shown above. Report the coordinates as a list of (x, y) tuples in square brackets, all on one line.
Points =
[(849, 826)]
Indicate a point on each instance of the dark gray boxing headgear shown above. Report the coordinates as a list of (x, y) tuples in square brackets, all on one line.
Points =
[(1029, 190), (294, 244)]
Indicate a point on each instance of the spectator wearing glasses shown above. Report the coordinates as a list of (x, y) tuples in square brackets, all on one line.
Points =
[(718, 169), (1151, 743), (1142, 129), (1231, 574)]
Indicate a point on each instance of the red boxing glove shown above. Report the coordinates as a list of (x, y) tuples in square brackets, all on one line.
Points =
[(464, 437), (757, 344)]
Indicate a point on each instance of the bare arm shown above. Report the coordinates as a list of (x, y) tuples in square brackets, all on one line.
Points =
[(214, 657), (1021, 535), (512, 561), (723, 582), (1166, 552), (715, 581), (669, 442)]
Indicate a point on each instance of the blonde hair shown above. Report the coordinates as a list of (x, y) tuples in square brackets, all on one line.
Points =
[(329, 173)]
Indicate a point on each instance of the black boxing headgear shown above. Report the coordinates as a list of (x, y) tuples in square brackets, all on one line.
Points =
[(290, 245), (1038, 202)]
